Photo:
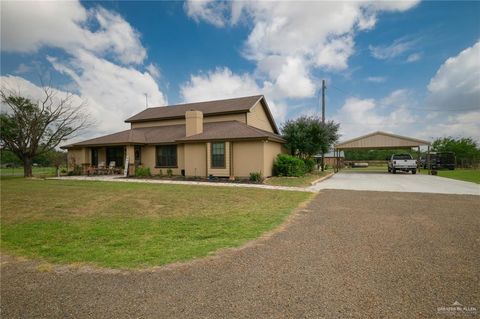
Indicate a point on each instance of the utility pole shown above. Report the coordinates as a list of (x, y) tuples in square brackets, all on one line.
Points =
[(146, 100), (323, 120), (323, 100)]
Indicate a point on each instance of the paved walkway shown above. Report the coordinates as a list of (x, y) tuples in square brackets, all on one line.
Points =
[(400, 182), (349, 254), (113, 178), (373, 181)]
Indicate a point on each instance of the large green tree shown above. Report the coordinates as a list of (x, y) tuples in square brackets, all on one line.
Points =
[(307, 136), (30, 128), (466, 149)]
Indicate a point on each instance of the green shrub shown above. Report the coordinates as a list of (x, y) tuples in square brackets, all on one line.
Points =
[(309, 165), (142, 172), (160, 173), (77, 170), (286, 165), (169, 172), (256, 176)]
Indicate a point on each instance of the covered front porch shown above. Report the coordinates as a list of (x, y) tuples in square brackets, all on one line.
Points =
[(105, 160)]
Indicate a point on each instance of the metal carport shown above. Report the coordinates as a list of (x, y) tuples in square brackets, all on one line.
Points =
[(379, 140)]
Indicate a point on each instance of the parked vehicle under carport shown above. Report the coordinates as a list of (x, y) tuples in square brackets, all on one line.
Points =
[(402, 162)]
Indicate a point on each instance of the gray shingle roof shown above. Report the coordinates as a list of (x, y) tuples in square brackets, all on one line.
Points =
[(208, 108), (176, 133)]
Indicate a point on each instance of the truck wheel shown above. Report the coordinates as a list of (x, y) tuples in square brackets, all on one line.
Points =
[(394, 171), (414, 171)]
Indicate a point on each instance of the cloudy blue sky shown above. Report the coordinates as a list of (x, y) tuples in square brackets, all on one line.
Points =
[(408, 67)]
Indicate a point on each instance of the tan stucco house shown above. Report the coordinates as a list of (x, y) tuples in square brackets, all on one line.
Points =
[(224, 138)]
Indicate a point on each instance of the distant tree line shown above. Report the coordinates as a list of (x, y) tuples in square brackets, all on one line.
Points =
[(48, 159), (375, 155), (466, 149)]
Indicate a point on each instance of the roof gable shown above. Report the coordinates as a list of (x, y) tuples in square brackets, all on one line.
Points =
[(381, 140), (208, 108)]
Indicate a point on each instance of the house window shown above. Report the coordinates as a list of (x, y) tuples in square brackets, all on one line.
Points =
[(167, 156), (218, 155)]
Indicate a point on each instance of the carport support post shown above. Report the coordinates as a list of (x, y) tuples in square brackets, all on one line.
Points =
[(428, 161), (418, 158), (336, 161), (335, 156)]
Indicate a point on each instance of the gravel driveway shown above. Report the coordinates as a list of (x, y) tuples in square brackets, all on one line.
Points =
[(348, 254)]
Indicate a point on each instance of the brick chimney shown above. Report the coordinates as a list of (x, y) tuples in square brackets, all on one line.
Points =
[(193, 122)]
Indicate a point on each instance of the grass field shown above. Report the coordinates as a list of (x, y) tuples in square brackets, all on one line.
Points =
[(130, 225), (302, 181), (37, 171), (468, 175), (379, 168)]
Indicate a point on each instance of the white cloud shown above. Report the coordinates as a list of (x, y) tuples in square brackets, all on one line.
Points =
[(414, 57), (400, 113), (114, 92), (22, 68), (397, 48), (457, 125), (288, 40), (400, 97), (223, 84), (214, 12), (35, 93), (103, 56), (293, 80), (456, 85), (391, 114), (218, 84), (153, 70), (68, 26), (376, 79)]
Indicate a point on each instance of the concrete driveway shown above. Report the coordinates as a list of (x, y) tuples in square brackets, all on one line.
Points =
[(349, 254), (401, 182)]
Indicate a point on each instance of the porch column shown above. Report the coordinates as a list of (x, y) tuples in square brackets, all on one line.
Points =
[(130, 152)]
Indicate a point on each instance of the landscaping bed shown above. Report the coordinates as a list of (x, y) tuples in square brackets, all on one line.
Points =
[(198, 179), (130, 225), (301, 181)]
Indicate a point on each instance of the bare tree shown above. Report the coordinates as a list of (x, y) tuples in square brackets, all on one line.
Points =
[(29, 129)]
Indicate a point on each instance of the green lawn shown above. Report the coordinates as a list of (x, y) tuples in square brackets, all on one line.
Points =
[(37, 171), (468, 175), (302, 181), (130, 225), (371, 168)]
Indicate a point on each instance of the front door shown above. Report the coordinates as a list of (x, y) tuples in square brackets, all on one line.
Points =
[(138, 155), (94, 161)]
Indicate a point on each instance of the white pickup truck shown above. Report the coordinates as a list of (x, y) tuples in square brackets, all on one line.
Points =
[(402, 162)]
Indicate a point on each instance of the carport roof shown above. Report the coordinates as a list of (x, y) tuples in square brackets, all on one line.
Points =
[(381, 140)]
